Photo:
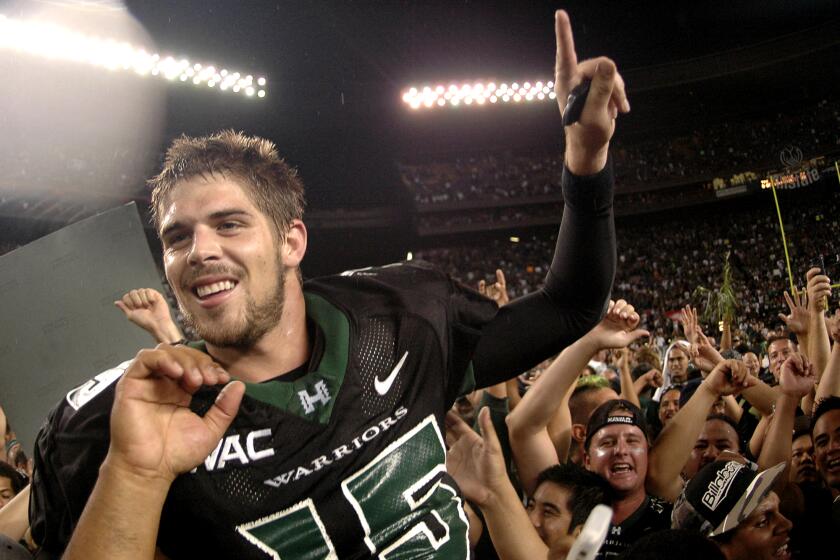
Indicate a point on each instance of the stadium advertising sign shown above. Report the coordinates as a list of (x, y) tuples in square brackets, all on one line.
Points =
[(792, 179), (796, 174)]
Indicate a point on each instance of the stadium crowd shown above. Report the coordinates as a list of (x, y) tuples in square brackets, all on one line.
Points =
[(696, 448), (662, 260), (722, 149)]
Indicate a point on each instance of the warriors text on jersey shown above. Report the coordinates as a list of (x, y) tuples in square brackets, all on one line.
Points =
[(344, 458)]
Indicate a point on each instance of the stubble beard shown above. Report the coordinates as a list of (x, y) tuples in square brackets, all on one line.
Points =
[(254, 322)]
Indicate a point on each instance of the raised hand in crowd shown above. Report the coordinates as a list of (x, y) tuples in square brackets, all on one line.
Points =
[(829, 381), (497, 291), (618, 328), (818, 289), (650, 379), (477, 465), (154, 438), (702, 352), (147, 309), (674, 444), (796, 381), (798, 320)]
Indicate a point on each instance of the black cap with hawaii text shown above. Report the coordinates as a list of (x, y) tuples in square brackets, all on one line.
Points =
[(617, 411)]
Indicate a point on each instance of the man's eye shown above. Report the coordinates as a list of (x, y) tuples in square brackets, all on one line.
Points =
[(229, 225), (176, 239)]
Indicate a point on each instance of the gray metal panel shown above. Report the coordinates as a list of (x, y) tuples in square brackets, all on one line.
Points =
[(58, 322)]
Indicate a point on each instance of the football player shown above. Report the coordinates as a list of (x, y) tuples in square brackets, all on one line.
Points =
[(328, 440)]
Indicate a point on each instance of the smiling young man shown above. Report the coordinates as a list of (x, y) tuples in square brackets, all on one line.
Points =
[(330, 441)]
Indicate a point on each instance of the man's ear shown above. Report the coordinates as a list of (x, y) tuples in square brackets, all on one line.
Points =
[(294, 246), (578, 433)]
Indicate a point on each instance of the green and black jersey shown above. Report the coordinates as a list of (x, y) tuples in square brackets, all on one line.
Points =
[(346, 458)]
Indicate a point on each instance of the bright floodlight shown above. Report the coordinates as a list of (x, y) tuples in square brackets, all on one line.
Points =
[(56, 42), (477, 93)]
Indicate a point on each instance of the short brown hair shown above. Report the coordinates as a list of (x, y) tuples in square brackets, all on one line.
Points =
[(273, 186), (778, 336)]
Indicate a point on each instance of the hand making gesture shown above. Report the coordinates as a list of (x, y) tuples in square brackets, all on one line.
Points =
[(153, 431), (797, 376), (797, 319), (818, 290), (618, 328), (587, 139), (728, 378), (496, 291)]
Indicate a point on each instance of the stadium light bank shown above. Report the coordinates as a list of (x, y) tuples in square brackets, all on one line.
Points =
[(55, 42), (477, 94)]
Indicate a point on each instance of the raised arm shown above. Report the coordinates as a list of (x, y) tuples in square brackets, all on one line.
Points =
[(819, 346), (147, 309), (476, 463), (154, 437), (829, 382), (704, 355), (580, 276), (798, 320), (673, 446), (796, 380), (532, 447), (628, 388)]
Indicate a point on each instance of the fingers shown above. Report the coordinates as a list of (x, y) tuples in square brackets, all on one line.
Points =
[(626, 313), (603, 83), (488, 431), (789, 301), (565, 65), (501, 283), (738, 373), (221, 414), (456, 425), (482, 287), (186, 366), (813, 271), (638, 333), (143, 298)]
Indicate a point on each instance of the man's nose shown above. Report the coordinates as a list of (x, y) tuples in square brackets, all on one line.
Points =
[(204, 246)]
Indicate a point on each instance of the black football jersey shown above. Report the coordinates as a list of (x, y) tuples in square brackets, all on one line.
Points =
[(345, 460)]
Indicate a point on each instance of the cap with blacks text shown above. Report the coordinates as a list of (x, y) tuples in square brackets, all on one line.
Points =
[(721, 495)]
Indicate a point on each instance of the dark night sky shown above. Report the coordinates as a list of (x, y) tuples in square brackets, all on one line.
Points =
[(317, 52)]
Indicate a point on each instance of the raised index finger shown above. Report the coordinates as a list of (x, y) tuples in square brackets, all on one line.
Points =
[(566, 60)]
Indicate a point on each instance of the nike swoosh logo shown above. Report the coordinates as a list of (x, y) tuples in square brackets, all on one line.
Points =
[(382, 387)]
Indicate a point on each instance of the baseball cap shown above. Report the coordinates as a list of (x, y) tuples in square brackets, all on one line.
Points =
[(721, 495), (616, 411)]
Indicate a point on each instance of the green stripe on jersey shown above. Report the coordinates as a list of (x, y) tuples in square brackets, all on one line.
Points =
[(312, 396)]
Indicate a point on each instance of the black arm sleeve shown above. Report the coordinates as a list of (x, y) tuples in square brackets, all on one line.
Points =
[(577, 286)]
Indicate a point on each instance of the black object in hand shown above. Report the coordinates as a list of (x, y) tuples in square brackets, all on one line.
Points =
[(575, 103)]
